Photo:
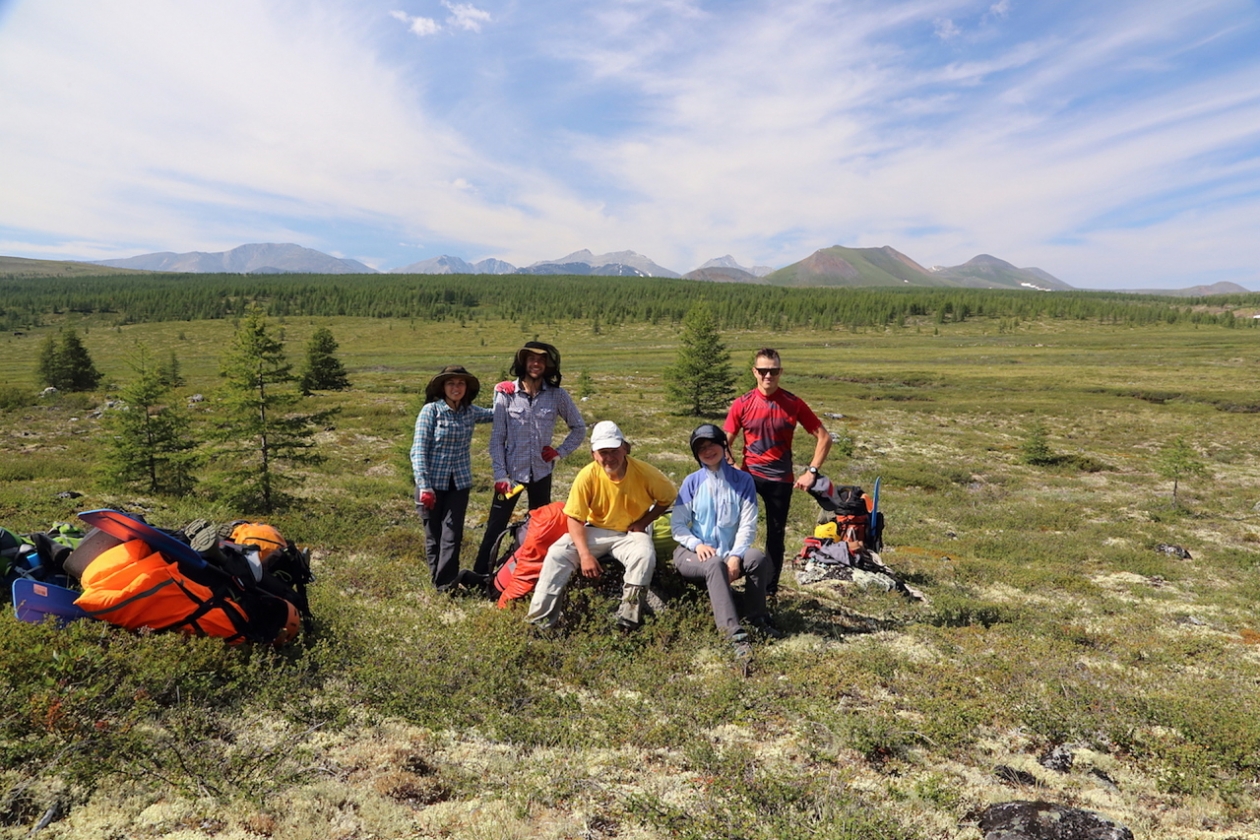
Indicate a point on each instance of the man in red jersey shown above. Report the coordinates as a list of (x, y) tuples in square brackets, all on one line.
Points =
[(768, 415)]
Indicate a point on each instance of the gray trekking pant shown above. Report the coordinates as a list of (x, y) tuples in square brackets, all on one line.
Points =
[(634, 549), (756, 567)]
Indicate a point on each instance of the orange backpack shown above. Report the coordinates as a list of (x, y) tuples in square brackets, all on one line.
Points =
[(135, 587)]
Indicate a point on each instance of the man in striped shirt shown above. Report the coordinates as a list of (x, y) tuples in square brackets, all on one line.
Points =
[(525, 413)]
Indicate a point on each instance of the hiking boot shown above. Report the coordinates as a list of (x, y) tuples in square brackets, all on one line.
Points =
[(202, 534), (742, 650), (763, 626), (630, 611)]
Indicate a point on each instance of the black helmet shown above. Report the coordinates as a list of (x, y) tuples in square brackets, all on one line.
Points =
[(707, 431)]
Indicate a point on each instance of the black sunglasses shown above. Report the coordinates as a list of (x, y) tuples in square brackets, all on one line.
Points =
[(769, 371)]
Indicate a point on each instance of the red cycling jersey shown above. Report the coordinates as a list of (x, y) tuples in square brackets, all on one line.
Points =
[(768, 424)]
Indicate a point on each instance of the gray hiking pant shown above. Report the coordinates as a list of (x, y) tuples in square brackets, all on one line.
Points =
[(634, 549), (756, 567)]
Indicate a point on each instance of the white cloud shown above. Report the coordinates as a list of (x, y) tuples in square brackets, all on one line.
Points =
[(421, 26), (946, 29), (466, 16), (1000, 9), (767, 130)]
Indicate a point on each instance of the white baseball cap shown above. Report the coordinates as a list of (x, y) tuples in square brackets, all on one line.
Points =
[(606, 435)]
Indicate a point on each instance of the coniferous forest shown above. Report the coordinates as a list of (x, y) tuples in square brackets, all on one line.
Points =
[(183, 297)]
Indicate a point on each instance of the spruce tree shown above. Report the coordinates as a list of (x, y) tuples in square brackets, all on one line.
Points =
[(150, 441), (259, 435), (1178, 460), (701, 381), (64, 363), (323, 371), (168, 371)]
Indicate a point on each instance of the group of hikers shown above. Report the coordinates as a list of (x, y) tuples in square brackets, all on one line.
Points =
[(614, 499)]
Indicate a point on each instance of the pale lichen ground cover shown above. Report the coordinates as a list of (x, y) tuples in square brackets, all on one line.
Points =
[(1044, 588)]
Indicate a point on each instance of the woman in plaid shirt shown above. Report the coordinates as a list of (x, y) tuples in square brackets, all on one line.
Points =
[(442, 462)]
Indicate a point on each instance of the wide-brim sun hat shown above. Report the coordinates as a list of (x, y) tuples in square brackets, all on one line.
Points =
[(434, 390), (538, 348)]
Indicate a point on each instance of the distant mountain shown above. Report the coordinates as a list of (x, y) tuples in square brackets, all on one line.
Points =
[(1222, 288), (446, 264), (840, 266), (616, 263), (728, 262), (493, 266), (437, 265), (986, 272), (262, 258), (723, 274)]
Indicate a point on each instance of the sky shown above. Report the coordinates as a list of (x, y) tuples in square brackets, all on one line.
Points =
[(1114, 145)]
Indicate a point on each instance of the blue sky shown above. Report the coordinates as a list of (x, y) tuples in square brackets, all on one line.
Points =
[(1115, 145)]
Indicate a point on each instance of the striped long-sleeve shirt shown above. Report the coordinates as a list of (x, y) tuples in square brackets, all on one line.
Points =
[(441, 449), (524, 425)]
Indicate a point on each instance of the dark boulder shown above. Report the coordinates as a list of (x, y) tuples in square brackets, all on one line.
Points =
[(1058, 759), (1047, 821)]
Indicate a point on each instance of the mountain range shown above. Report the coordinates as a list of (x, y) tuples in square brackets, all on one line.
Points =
[(262, 258), (840, 266), (835, 266)]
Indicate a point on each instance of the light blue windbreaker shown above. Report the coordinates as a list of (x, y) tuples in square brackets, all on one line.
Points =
[(717, 508)]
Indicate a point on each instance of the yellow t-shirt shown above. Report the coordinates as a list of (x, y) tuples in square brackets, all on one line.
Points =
[(598, 500)]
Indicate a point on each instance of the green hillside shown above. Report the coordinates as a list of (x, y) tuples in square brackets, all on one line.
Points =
[(840, 266), (22, 267)]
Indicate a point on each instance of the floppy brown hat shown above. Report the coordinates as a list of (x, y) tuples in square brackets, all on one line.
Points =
[(433, 391)]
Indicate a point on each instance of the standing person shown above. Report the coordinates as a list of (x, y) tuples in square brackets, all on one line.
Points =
[(768, 415), (714, 521), (525, 412), (442, 462), (612, 504)]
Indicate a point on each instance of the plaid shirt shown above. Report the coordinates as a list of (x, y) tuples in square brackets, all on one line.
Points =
[(442, 449), (523, 426)]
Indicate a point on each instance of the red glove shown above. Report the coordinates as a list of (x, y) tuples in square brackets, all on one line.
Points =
[(502, 488), (549, 454), (505, 388), (428, 498)]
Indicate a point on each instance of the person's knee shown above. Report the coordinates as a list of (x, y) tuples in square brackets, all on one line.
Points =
[(637, 553), (754, 561), (714, 570)]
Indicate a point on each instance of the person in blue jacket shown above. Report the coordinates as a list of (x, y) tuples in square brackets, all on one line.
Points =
[(714, 521)]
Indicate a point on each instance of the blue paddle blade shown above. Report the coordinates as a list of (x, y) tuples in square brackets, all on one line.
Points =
[(875, 506), (34, 601), (120, 525)]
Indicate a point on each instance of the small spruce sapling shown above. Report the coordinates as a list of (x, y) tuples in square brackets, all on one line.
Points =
[(1178, 460), (150, 441), (1035, 449), (64, 363), (323, 370), (258, 434)]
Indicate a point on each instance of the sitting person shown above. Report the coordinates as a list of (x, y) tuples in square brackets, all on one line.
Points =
[(612, 504), (714, 522)]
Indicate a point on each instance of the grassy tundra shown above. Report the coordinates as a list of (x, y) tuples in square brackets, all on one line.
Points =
[(1052, 619)]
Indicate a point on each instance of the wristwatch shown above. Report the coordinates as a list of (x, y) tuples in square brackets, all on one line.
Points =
[(813, 470)]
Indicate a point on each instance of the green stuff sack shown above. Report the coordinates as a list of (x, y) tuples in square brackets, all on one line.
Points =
[(663, 540)]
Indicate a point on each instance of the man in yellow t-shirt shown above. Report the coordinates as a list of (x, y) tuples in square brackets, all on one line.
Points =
[(611, 506)]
